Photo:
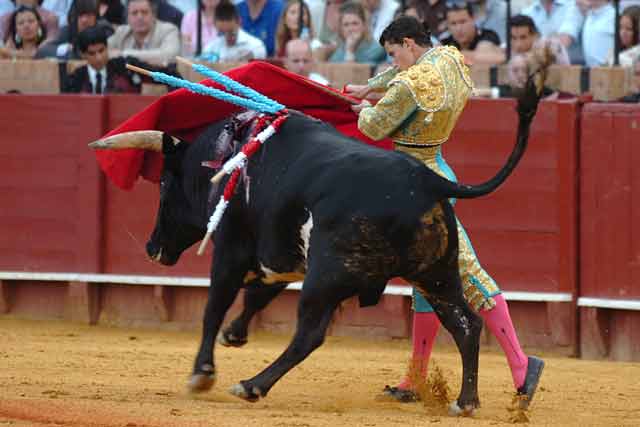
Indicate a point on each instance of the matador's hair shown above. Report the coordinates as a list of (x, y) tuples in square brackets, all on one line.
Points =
[(406, 27)]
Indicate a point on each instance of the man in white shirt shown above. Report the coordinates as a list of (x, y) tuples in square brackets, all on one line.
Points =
[(598, 34), (60, 8), (232, 43), (556, 18), (381, 13), (299, 60)]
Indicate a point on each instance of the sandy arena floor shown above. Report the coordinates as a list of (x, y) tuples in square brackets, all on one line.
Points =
[(63, 374)]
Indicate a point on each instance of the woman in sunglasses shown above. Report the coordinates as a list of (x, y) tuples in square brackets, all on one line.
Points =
[(426, 91)]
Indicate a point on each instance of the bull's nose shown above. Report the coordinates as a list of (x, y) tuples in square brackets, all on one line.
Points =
[(153, 250)]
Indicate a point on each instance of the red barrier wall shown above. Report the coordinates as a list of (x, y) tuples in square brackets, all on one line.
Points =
[(524, 233), (610, 201), (130, 215), (610, 246), (50, 186)]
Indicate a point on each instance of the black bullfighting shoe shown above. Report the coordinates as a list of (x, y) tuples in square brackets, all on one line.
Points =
[(534, 372), (400, 394)]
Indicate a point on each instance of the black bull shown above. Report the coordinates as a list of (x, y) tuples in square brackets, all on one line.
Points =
[(314, 204)]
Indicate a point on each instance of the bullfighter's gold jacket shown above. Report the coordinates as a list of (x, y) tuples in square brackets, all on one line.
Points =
[(421, 105)]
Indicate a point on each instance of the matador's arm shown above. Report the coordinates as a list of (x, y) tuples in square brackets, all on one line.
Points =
[(388, 114), (380, 81)]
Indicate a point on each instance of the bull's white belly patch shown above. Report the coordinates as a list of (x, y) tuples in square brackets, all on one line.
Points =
[(305, 236), (271, 276)]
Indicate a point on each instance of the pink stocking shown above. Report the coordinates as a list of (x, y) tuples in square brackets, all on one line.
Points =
[(498, 321), (425, 329)]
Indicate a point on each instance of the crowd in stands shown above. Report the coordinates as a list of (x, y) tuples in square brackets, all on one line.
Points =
[(297, 34)]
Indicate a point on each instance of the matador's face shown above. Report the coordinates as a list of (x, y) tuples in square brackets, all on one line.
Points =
[(401, 54)]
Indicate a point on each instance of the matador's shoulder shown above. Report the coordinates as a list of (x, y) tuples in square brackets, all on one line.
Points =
[(439, 73), (426, 85)]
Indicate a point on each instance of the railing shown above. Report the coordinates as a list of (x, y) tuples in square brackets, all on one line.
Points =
[(604, 83)]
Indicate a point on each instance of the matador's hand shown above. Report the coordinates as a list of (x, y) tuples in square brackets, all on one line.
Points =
[(357, 91), (359, 107)]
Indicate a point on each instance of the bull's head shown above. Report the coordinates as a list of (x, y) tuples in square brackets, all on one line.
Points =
[(182, 215)]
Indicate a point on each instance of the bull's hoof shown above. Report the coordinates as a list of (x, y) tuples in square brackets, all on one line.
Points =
[(456, 411), (227, 339), (240, 391), (534, 372), (199, 383)]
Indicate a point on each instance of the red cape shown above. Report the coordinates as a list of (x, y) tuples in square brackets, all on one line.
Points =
[(184, 114)]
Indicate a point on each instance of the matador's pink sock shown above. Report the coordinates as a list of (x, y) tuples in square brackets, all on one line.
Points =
[(498, 320), (425, 330)]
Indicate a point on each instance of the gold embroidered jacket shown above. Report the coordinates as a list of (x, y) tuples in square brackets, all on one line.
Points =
[(421, 105)]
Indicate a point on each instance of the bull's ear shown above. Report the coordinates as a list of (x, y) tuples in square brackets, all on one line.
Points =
[(173, 150), (170, 144)]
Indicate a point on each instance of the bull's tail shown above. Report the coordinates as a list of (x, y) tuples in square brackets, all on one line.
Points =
[(527, 107)]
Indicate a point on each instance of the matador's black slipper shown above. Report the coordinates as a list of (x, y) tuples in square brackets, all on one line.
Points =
[(400, 394), (534, 372)]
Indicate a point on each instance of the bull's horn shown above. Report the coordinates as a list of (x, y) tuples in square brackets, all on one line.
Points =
[(143, 139)]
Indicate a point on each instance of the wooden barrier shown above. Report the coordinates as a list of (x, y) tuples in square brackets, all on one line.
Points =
[(342, 74), (59, 216), (51, 188), (609, 232), (117, 225), (337, 74), (604, 83), (29, 76), (525, 233)]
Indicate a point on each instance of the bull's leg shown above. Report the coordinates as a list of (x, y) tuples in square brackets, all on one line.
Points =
[(257, 296), (318, 301), (228, 270), (465, 327)]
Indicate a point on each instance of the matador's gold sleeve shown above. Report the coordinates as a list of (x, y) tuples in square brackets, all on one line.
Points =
[(380, 81), (388, 114)]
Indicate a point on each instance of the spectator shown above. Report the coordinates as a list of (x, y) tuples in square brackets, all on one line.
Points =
[(518, 70), (556, 18), (48, 18), (112, 11), (635, 96), (433, 13), (412, 8), (381, 13), (82, 15), (260, 19), (59, 7), (6, 7), (492, 15), (328, 30), (355, 43), (232, 43), (145, 37), (189, 27), (525, 37), (480, 46), (101, 75), (184, 6), (25, 33), (289, 23), (598, 33), (168, 13), (299, 60), (317, 10), (628, 36)]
